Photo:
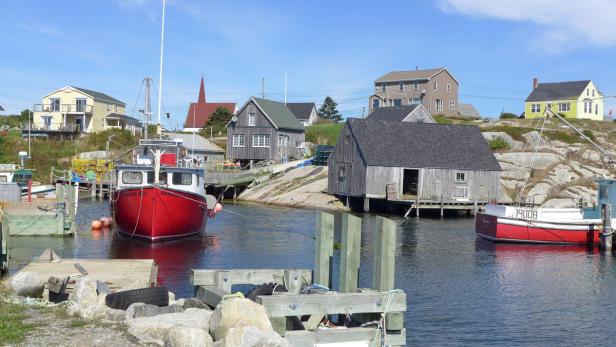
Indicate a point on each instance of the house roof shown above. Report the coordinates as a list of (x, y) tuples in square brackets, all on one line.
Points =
[(301, 110), (558, 91), (392, 113), (421, 145), (201, 143), (99, 96), (411, 75), (279, 114), (199, 112), (120, 116), (468, 111)]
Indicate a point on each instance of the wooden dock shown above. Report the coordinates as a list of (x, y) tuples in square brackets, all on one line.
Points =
[(116, 273)]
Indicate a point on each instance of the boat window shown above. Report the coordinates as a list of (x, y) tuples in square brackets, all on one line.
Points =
[(3, 178), (603, 192), (132, 177), (150, 177), (182, 178), (162, 177)]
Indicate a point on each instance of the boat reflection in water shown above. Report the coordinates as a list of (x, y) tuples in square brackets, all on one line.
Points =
[(175, 259)]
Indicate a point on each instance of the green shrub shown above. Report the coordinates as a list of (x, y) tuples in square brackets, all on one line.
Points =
[(498, 143), (559, 135), (589, 134), (515, 132), (507, 115), (441, 119), (324, 134)]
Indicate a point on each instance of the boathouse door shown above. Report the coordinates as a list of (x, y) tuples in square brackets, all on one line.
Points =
[(410, 180)]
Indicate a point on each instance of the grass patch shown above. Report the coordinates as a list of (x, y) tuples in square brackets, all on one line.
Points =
[(324, 134), (78, 323), (12, 328), (498, 143), (562, 136), (442, 119), (589, 134)]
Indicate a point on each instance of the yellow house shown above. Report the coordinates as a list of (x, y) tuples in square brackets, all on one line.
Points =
[(79, 110), (575, 99)]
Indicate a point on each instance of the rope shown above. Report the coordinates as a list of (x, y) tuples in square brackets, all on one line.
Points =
[(180, 195), (138, 214), (382, 323), (532, 163)]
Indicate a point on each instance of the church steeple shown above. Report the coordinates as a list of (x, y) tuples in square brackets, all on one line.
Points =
[(201, 93)]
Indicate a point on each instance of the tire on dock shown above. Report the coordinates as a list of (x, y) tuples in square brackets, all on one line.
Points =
[(267, 289), (158, 296)]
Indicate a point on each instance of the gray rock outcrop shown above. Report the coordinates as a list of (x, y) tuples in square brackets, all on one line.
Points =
[(27, 284), (158, 327), (238, 312)]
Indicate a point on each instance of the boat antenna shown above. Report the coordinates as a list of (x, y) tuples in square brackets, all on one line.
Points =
[(160, 72)]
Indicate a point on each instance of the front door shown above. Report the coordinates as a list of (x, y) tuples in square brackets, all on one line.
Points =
[(78, 125), (344, 178), (409, 183)]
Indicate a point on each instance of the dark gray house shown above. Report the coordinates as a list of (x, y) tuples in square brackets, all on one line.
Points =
[(411, 113), (413, 162), (264, 130)]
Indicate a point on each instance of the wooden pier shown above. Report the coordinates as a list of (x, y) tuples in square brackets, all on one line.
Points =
[(381, 302)]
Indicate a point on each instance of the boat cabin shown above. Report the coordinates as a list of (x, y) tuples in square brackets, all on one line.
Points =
[(606, 194), (12, 173), (179, 178)]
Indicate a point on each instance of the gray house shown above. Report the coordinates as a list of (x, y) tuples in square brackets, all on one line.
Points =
[(436, 89), (264, 130), (306, 112), (411, 113), (413, 162)]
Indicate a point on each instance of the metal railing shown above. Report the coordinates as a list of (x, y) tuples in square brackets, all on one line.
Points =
[(54, 126), (63, 108)]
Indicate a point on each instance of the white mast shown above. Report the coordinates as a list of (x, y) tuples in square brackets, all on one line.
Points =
[(285, 87), (147, 109), (160, 73)]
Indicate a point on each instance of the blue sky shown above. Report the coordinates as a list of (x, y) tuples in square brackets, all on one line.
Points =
[(494, 48)]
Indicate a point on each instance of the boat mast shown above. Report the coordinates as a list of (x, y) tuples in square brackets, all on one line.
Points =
[(160, 73), (147, 109)]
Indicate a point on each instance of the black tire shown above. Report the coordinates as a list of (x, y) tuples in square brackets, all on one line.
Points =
[(158, 296)]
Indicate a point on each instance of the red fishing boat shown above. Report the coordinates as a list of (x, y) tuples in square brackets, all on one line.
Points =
[(161, 195)]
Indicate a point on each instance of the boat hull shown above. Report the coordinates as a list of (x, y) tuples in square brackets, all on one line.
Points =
[(503, 229), (158, 214)]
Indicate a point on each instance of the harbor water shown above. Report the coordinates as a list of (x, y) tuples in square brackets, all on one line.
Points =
[(460, 290)]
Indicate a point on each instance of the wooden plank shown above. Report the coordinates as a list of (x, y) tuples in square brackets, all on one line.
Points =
[(210, 295), (323, 248), (349, 255), (223, 280), (303, 338), (207, 277), (384, 257), (285, 305)]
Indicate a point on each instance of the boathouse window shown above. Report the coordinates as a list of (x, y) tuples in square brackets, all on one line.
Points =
[(460, 177), (341, 173), (260, 140), (238, 140), (603, 192), (132, 177), (182, 178), (252, 119)]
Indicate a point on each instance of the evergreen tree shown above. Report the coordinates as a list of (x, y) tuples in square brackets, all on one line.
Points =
[(328, 110), (217, 122)]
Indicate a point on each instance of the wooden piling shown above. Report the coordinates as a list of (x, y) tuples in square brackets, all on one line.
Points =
[(384, 256), (100, 190), (323, 248), (442, 206), (93, 191), (606, 234), (417, 206), (349, 256)]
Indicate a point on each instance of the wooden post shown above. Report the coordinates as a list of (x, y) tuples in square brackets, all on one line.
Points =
[(384, 256), (349, 256), (417, 206), (70, 200), (60, 192), (76, 201), (323, 249), (606, 235), (93, 192), (442, 205), (475, 207), (234, 193), (366, 204), (100, 189)]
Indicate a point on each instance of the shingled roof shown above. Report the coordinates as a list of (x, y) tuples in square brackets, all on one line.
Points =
[(301, 110), (411, 75), (279, 114), (99, 96), (199, 112), (422, 145), (391, 113), (558, 91)]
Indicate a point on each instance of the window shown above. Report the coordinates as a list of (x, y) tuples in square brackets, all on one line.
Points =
[(181, 178), (603, 192), (238, 140), (162, 177), (534, 108), (252, 119), (260, 140), (3, 178), (132, 177), (108, 107), (587, 106), (452, 105), (596, 108), (80, 105), (438, 104), (341, 173), (448, 88), (376, 103), (55, 104), (415, 86), (383, 87), (150, 177), (548, 106), (435, 86), (593, 93), (401, 86), (47, 121), (397, 102), (414, 101), (460, 177), (347, 139), (587, 92), (115, 108), (564, 107)]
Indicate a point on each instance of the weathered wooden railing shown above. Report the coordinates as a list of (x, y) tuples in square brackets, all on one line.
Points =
[(381, 302)]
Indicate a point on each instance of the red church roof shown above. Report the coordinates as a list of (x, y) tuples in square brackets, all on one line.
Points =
[(199, 112)]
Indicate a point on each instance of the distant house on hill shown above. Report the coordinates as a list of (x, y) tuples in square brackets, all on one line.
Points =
[(411, 113), (436, 89), (306, 112), (468, 111), (575, 99), (405, 162), (203, 149), (264, 130), (79, 110), (199, 112)]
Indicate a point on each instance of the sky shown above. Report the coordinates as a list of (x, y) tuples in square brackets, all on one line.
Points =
[(492, 47)]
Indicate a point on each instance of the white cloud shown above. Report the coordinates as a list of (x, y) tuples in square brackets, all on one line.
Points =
[(569, 22), (41, 29)]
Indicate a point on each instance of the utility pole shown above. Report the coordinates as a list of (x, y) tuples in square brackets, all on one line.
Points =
[(363, 111)]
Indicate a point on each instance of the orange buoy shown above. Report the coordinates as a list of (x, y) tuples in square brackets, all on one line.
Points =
[(106, 221), (96, 224), (218, 207)]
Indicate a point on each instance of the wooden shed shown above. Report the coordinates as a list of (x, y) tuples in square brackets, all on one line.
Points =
[(264, 130), (414, 163)]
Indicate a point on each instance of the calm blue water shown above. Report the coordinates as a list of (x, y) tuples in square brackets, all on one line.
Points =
[(461, 290)]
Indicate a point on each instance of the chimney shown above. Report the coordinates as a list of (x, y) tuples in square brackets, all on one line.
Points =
[(535, 82)]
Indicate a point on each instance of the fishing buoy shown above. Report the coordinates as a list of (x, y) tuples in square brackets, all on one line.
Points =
[(96, 224), (106, 221), (218, 207)]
